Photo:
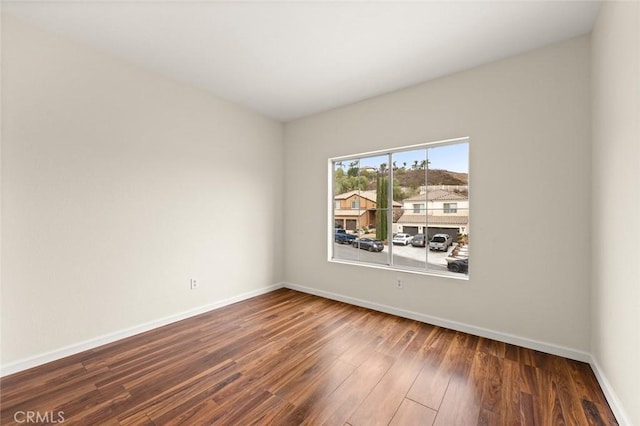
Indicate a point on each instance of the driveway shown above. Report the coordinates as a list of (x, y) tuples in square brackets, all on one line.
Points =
[(422, 254)]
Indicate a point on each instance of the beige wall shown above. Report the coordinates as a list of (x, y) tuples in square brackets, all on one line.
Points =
[(117, 188), (616, 201), (528, 122)]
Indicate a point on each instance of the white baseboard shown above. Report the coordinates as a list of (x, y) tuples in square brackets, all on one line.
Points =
[(477, 331), (54, 355), (612, 398)]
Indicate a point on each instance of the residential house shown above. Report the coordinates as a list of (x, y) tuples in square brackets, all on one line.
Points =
[(438, 211), (355, 210)]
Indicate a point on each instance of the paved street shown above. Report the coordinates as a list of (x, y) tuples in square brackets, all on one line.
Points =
[(402, 256)]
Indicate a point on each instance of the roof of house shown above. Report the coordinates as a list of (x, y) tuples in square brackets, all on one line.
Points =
[(439, 195), (369, 195), (434, 220)]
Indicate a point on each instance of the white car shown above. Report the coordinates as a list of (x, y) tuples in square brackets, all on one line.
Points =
[(403, 239)]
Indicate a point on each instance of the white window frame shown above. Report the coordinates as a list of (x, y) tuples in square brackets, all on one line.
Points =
[(330, 237), (446, 208)]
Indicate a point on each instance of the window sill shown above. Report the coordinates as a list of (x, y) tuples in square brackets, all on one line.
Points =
[(443, 274)]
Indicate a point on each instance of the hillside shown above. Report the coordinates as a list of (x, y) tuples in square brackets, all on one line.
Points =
[(415, 178), (406, 182)]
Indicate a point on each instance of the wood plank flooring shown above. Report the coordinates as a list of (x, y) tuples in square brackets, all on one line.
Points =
[(289, 358)]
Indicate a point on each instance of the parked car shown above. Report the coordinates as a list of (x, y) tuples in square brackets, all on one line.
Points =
[(440, 242), (419, 240), (341, 237), (368, 244), (403, 239), (458, 265)]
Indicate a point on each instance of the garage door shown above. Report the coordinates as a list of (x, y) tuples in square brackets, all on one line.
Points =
[(411, 230), (451, 231), (351, 224)]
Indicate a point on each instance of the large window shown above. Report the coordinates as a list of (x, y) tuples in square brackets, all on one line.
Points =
[(409, 208)]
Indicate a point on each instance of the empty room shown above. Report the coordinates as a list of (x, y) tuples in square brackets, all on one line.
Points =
[(341, 213)]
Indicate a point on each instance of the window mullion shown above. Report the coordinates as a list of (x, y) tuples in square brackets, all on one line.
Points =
[(390, 209), (426, 209)]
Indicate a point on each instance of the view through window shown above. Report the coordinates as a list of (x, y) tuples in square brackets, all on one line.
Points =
[(404, 208)]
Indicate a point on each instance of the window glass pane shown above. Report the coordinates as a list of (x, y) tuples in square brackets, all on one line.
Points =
[(448, 204), (374, 181), (355, 184), (409, 243), (346, 219)]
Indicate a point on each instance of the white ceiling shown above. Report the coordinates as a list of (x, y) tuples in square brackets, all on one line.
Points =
[(292, 59)]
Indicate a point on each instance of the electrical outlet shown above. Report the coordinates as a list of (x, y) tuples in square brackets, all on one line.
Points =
[(194, 283), (399, 284)]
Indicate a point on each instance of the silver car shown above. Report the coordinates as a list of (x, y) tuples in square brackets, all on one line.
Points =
[(440, 242)]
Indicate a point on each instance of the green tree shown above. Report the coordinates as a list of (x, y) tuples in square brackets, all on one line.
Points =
[(345, 183), (382, 202), (361, 183), (353, 169)]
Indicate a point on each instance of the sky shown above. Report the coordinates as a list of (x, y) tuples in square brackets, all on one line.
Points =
[(454, 158)]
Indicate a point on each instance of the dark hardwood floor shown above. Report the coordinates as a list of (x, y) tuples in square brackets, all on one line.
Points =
[(289, 358)]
